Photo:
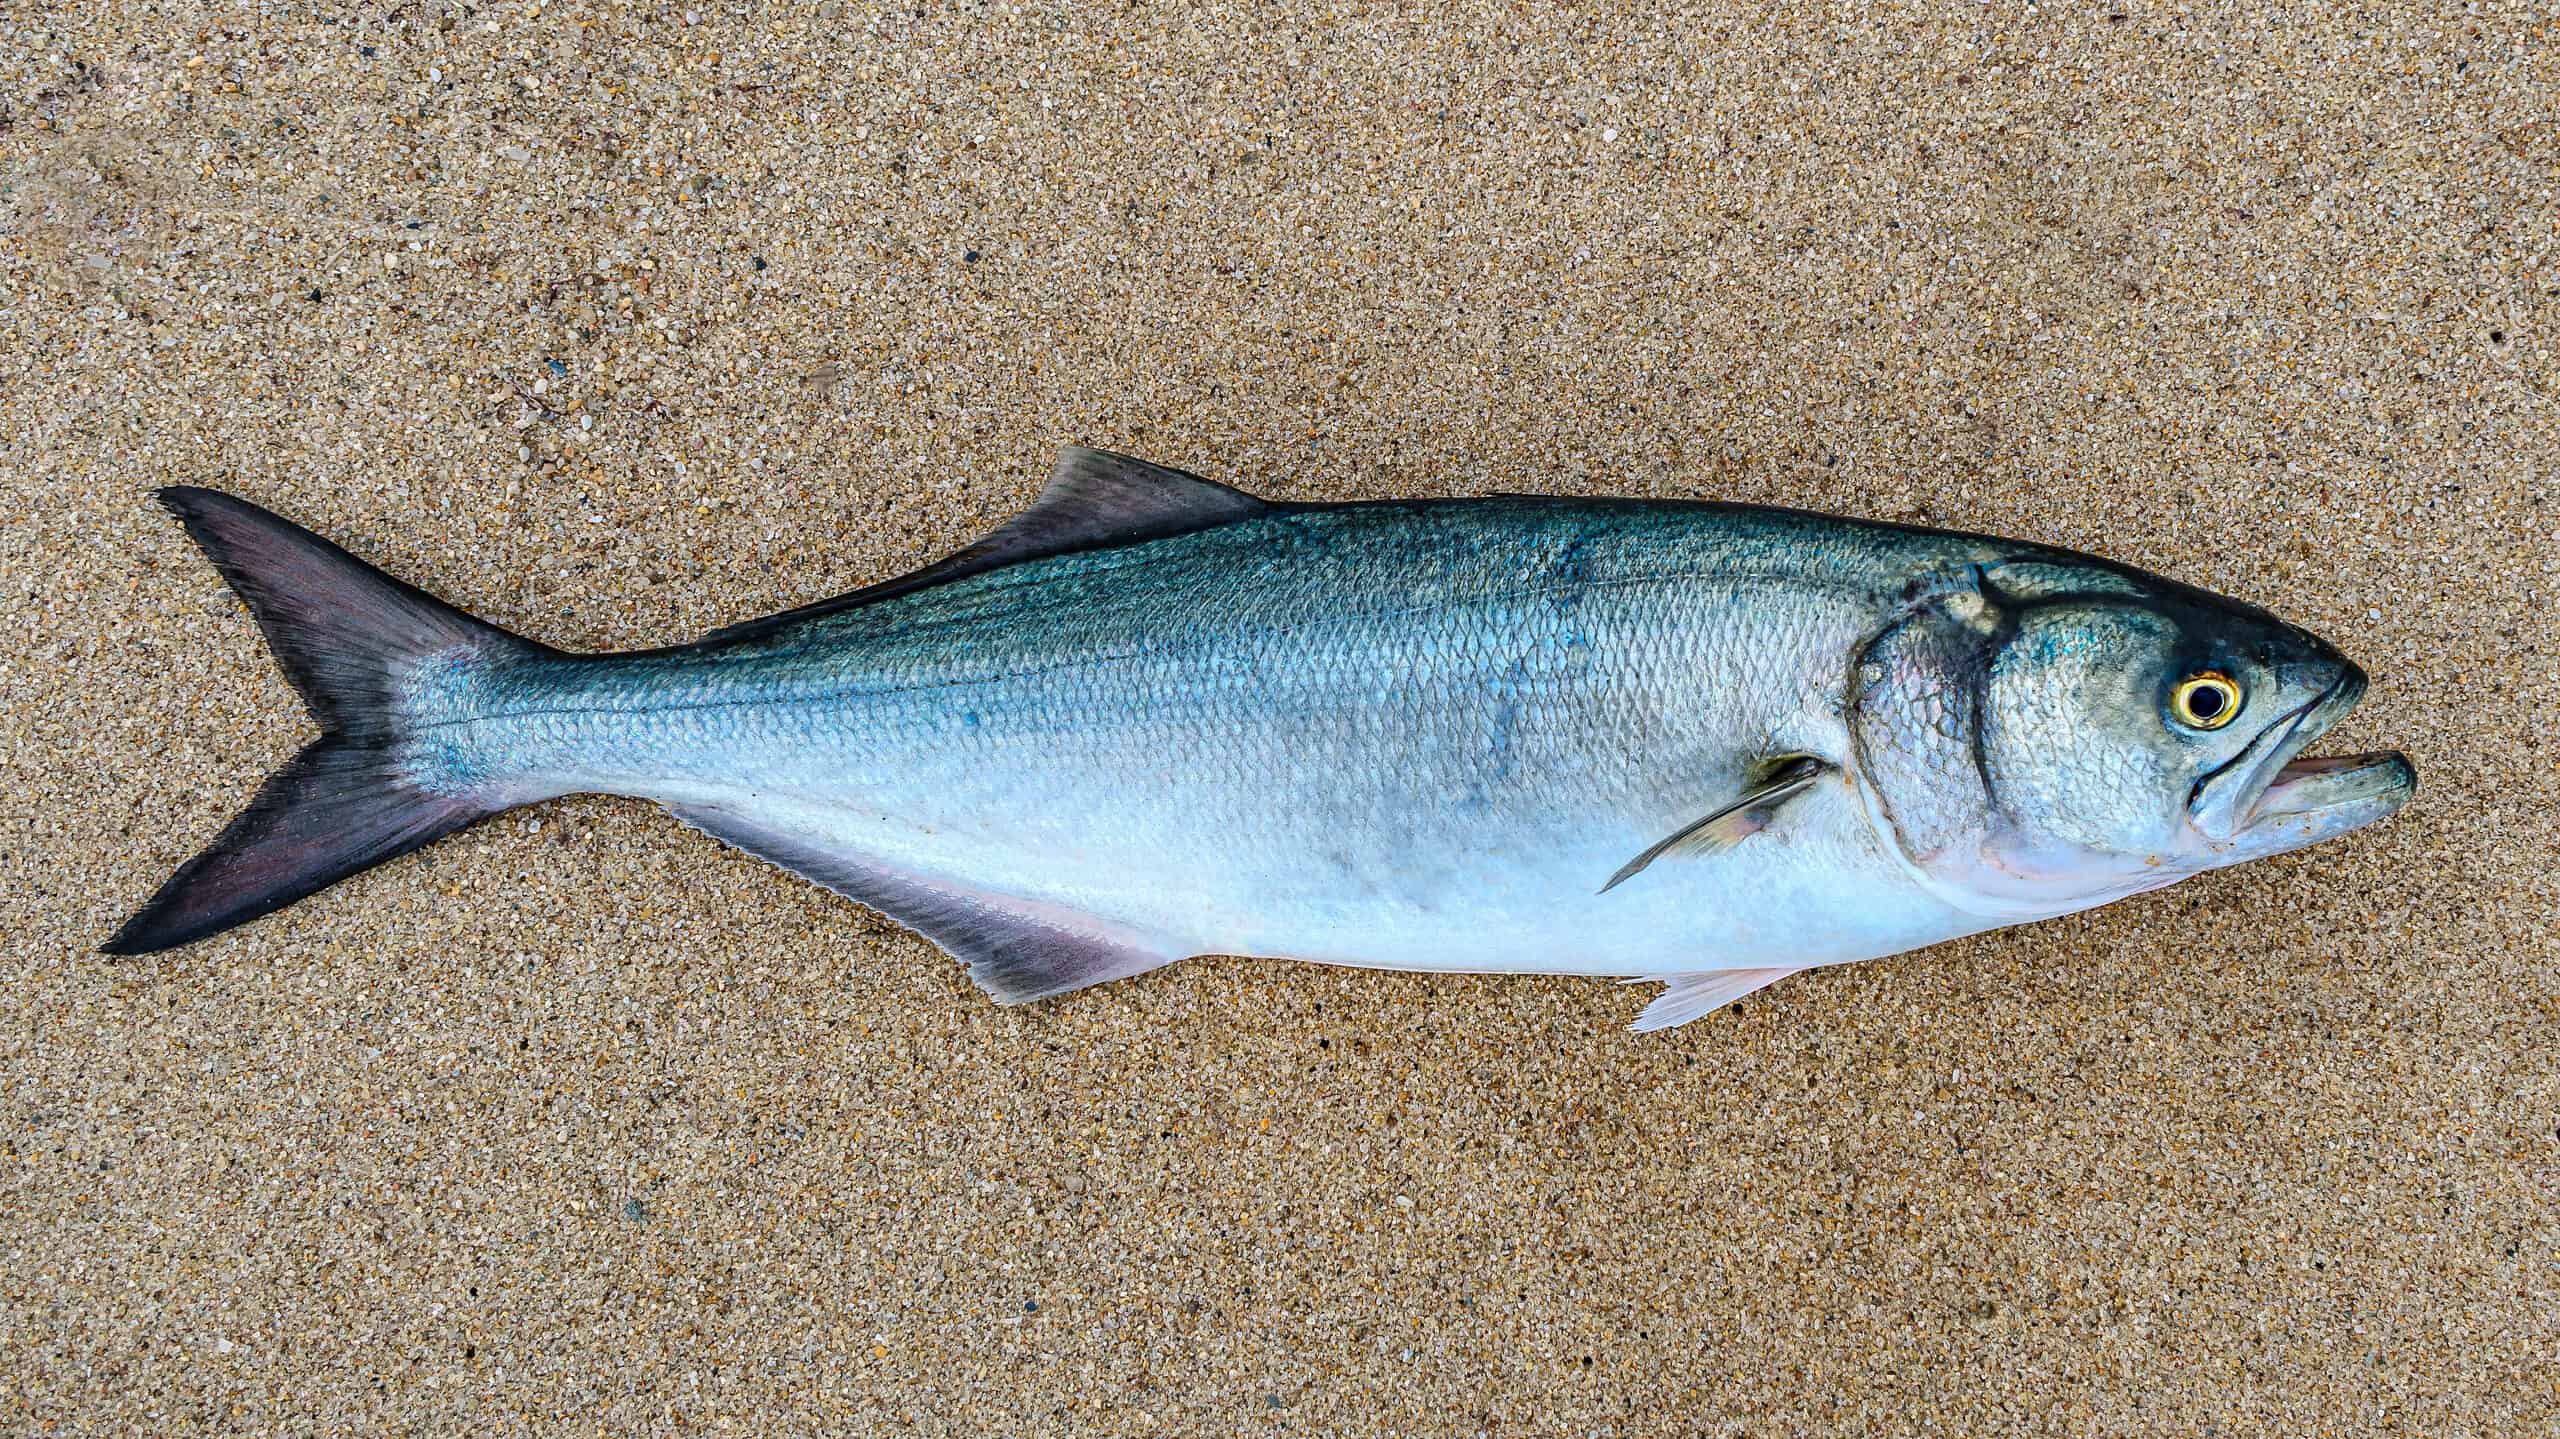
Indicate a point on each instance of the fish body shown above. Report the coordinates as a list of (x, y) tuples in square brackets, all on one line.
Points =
[(1418, 736), (1158, 718)]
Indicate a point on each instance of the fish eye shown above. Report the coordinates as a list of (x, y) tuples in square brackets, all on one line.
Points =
[(2205, 701)]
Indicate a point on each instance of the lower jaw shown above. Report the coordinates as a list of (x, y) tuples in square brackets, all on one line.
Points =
[(2320, 782), (2319, 799)]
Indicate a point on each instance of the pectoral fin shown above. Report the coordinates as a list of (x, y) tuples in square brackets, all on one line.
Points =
[(1692, 996), (1734, 823)]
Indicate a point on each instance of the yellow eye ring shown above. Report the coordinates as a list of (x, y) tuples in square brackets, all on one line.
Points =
[(2205, 701)]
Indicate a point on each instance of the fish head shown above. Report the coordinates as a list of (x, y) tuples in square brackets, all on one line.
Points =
[(2091, 734)]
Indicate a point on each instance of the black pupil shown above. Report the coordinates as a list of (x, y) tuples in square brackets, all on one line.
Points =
[(2206, 701)]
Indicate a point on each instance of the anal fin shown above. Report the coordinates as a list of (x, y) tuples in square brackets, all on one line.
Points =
[(1694, 996), (1017, 950)]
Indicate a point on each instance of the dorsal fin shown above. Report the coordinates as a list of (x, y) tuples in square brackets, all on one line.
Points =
[(1095, 500)]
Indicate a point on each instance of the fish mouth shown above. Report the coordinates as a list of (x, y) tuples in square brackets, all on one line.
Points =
[(2324, 782), (2268, 798)]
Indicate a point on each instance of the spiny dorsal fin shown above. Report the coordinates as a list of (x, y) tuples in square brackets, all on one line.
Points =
[(1731, 825), (1095, 500)]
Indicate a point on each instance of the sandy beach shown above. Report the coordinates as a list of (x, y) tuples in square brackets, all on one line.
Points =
[(615, 324)]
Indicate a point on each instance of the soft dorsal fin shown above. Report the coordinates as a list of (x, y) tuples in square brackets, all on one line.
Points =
[(1095, 500)]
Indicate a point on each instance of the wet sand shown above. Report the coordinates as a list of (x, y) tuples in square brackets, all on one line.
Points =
[(613, 325)]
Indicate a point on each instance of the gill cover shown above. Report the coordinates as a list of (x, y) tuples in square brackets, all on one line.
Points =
[(1958, 712), (1916, 722)]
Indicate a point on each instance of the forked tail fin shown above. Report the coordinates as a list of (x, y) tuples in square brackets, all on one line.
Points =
[(349, 637)]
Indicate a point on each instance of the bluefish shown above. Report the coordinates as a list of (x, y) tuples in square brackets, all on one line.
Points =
[(1154, 717)]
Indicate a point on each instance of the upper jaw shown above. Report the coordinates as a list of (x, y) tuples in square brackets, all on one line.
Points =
[(2266, 801)]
